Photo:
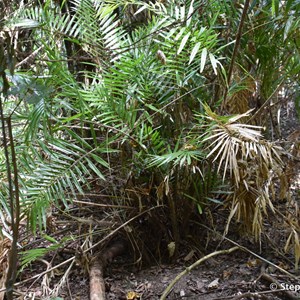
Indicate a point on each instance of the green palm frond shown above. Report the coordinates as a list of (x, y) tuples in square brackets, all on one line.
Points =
[(29, 256), (180, 156), (92, 24), (99, 28), (50, 19), (57, 174)]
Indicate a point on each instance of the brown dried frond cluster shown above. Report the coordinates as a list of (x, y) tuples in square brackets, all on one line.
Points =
[(252, 163), (293, 213)]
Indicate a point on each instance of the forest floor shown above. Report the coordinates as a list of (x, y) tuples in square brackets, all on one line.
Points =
[(241, 274)]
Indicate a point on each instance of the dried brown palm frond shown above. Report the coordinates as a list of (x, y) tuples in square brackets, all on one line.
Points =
[(293, 241), (249, 162)]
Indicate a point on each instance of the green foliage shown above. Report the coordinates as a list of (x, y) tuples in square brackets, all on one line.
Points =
[(29, 256), (179, 158), (110, 90)]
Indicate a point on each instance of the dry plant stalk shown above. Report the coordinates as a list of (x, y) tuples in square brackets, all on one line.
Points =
[(194, 265)]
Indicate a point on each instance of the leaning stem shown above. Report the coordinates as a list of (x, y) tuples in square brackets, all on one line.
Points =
[(236, 47), (13, 184)]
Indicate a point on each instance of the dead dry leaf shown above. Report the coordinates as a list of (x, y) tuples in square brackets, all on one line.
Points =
[(214, 284)]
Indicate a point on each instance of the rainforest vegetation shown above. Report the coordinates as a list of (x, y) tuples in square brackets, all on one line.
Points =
[(144, 125)]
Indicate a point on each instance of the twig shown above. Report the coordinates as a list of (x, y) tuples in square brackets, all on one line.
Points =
[(43, 273), (120, 227), (63, 280), (71, 259), (32, 55), (103, 205), (277, 285), (265, 103), (251, 295), (236, 46), (248, 295), (249, 251), (197, 263), (69, 290), (12, 173)]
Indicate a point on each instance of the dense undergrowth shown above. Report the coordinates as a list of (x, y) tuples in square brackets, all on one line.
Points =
[(158, 112)]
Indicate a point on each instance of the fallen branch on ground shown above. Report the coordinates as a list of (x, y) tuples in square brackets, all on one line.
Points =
[(188, 269), (251, 252), (97, 266)]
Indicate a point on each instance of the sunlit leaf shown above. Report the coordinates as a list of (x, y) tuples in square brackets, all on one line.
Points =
[(194, 52), (214, 62), (183, 42), (203, 59)]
